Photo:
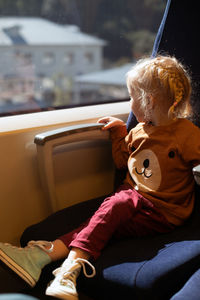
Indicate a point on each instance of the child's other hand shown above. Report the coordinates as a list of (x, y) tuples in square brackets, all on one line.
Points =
[(110, 122)]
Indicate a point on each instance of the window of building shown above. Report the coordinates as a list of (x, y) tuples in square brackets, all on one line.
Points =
[(89, 58), (68, 58), (83, 51), (48, 58), (23, 58)]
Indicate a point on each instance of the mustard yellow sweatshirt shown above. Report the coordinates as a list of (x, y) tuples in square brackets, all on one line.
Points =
[(160, 161)]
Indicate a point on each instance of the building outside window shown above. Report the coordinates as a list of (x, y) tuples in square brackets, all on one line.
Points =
[(48, 58), (56, 54), (89, 58), (68, 58)]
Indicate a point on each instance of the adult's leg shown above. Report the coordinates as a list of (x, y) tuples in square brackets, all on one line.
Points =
[(16, 296), (191, 290)]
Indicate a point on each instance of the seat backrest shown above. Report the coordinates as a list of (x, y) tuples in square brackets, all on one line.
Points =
[(75, 164)]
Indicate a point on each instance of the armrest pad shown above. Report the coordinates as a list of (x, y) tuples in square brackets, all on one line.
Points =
[(42, 138), (196, 172)]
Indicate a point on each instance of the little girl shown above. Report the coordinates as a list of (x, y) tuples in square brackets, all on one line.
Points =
[(158, 192)]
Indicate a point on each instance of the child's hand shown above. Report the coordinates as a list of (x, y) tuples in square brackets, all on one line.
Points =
[(110, 122)]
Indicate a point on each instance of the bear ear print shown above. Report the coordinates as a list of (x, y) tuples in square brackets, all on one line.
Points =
[(171, 154)]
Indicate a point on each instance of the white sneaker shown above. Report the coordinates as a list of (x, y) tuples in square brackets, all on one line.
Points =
[(64, 284)]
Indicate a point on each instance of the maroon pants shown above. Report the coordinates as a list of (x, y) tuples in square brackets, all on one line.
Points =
[(125, 213)]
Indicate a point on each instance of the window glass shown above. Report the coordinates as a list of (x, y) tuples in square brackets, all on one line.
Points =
[(48, 58), (89, 58), (65, 53), (68, 58)]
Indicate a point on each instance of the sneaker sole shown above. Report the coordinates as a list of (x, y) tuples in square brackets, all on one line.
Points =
[(51, 292), (68, 297), (16, 268)]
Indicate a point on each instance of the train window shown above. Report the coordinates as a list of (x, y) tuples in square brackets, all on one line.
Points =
[(66, 53)]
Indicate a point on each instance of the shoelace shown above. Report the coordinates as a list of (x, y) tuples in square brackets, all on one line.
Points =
[(69, 277), (83, 262), (44, 245)]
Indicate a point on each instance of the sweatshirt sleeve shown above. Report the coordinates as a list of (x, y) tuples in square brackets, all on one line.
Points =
[(119, 146), (191, 145)]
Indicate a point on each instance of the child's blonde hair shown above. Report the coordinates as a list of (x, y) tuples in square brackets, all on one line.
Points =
[(165, 79)]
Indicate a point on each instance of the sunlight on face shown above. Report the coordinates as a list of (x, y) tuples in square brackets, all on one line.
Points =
[(137, 109)]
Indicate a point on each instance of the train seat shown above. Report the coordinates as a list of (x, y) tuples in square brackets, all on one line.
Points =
[(134, 268)]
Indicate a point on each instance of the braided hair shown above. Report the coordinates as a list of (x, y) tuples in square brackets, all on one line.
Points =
[(165, 79)]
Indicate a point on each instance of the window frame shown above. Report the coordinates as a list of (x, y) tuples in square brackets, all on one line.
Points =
[(68, 116)]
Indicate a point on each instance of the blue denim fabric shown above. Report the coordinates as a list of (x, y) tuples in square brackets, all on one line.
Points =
[(191, 290), (16, 297)]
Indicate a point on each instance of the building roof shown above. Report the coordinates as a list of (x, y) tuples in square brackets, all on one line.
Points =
[(114, 76), (38, 31)]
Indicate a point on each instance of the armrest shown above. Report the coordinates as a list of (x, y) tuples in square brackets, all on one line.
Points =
[(196, 173), (47, 141), (63, 135)]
